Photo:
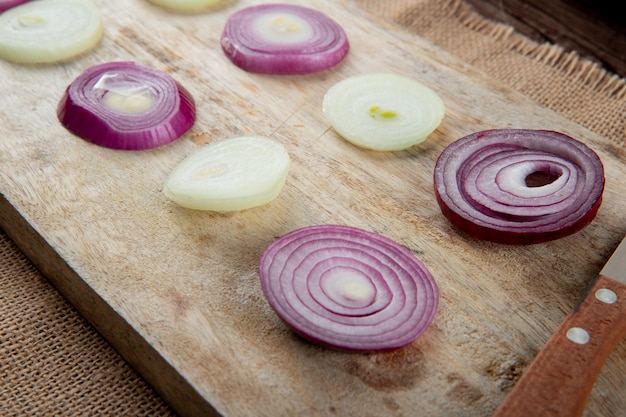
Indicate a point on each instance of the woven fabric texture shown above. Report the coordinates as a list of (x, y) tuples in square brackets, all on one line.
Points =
[(578, 89), (53, 363)]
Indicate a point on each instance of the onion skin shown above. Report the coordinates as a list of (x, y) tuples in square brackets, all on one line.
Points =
[(348, 289), (82, 111), (531, 219), (7, 4), (326, 48)]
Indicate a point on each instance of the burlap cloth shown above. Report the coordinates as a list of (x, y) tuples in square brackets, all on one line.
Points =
[(53, 363)]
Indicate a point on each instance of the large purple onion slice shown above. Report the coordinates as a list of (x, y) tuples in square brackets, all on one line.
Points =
[(347, 288), (519, 186)]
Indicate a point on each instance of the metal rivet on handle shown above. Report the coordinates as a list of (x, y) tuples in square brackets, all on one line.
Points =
[(578, 335), (606, 296)]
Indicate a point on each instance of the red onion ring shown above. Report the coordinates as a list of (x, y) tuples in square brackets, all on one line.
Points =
[(170, 110), (481, 185), (250, 45), (347, 288)]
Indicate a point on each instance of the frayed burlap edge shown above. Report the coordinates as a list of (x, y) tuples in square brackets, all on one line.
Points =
[(563, 81), (52, 361), (569, 62)]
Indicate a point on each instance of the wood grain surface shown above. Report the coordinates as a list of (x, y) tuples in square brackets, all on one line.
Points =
[(176, 291)]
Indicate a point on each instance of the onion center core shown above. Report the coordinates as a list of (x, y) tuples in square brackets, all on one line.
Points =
[(378, 113), (125, 94), (347, 284), (210, 172), (27, 21), (542, 178), (283, 28), (128, 103)]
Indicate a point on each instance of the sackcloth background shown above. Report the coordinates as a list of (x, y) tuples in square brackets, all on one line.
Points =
[(53, 363)]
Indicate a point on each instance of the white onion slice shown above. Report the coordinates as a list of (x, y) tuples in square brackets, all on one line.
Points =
[(383, 112), (347, 288), (230, 175), (483, 185), (187, 5), (46, 31)]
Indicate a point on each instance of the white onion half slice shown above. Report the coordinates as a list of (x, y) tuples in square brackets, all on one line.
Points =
[(46, 31), (230, 175), (383, 112)]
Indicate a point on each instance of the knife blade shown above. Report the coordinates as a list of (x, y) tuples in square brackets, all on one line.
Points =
[(560, 379)]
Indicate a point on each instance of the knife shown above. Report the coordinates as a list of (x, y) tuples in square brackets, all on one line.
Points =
[(559, 380)]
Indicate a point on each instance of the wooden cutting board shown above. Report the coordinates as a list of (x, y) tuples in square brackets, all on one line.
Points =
[(176, 291)]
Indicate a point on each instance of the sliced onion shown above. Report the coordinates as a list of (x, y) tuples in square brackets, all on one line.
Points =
[(46, 31), (230, 175), (187, 5), (125, 105), (7, 4), (283, 39), (484, 185), (347, 288), (383, 112)]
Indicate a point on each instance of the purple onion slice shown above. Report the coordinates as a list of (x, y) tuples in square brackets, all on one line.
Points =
[(349, 289), (283, 39), (519, 186), (125, 105)]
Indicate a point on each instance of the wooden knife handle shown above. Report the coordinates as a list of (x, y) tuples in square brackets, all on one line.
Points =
[(560, 379)]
